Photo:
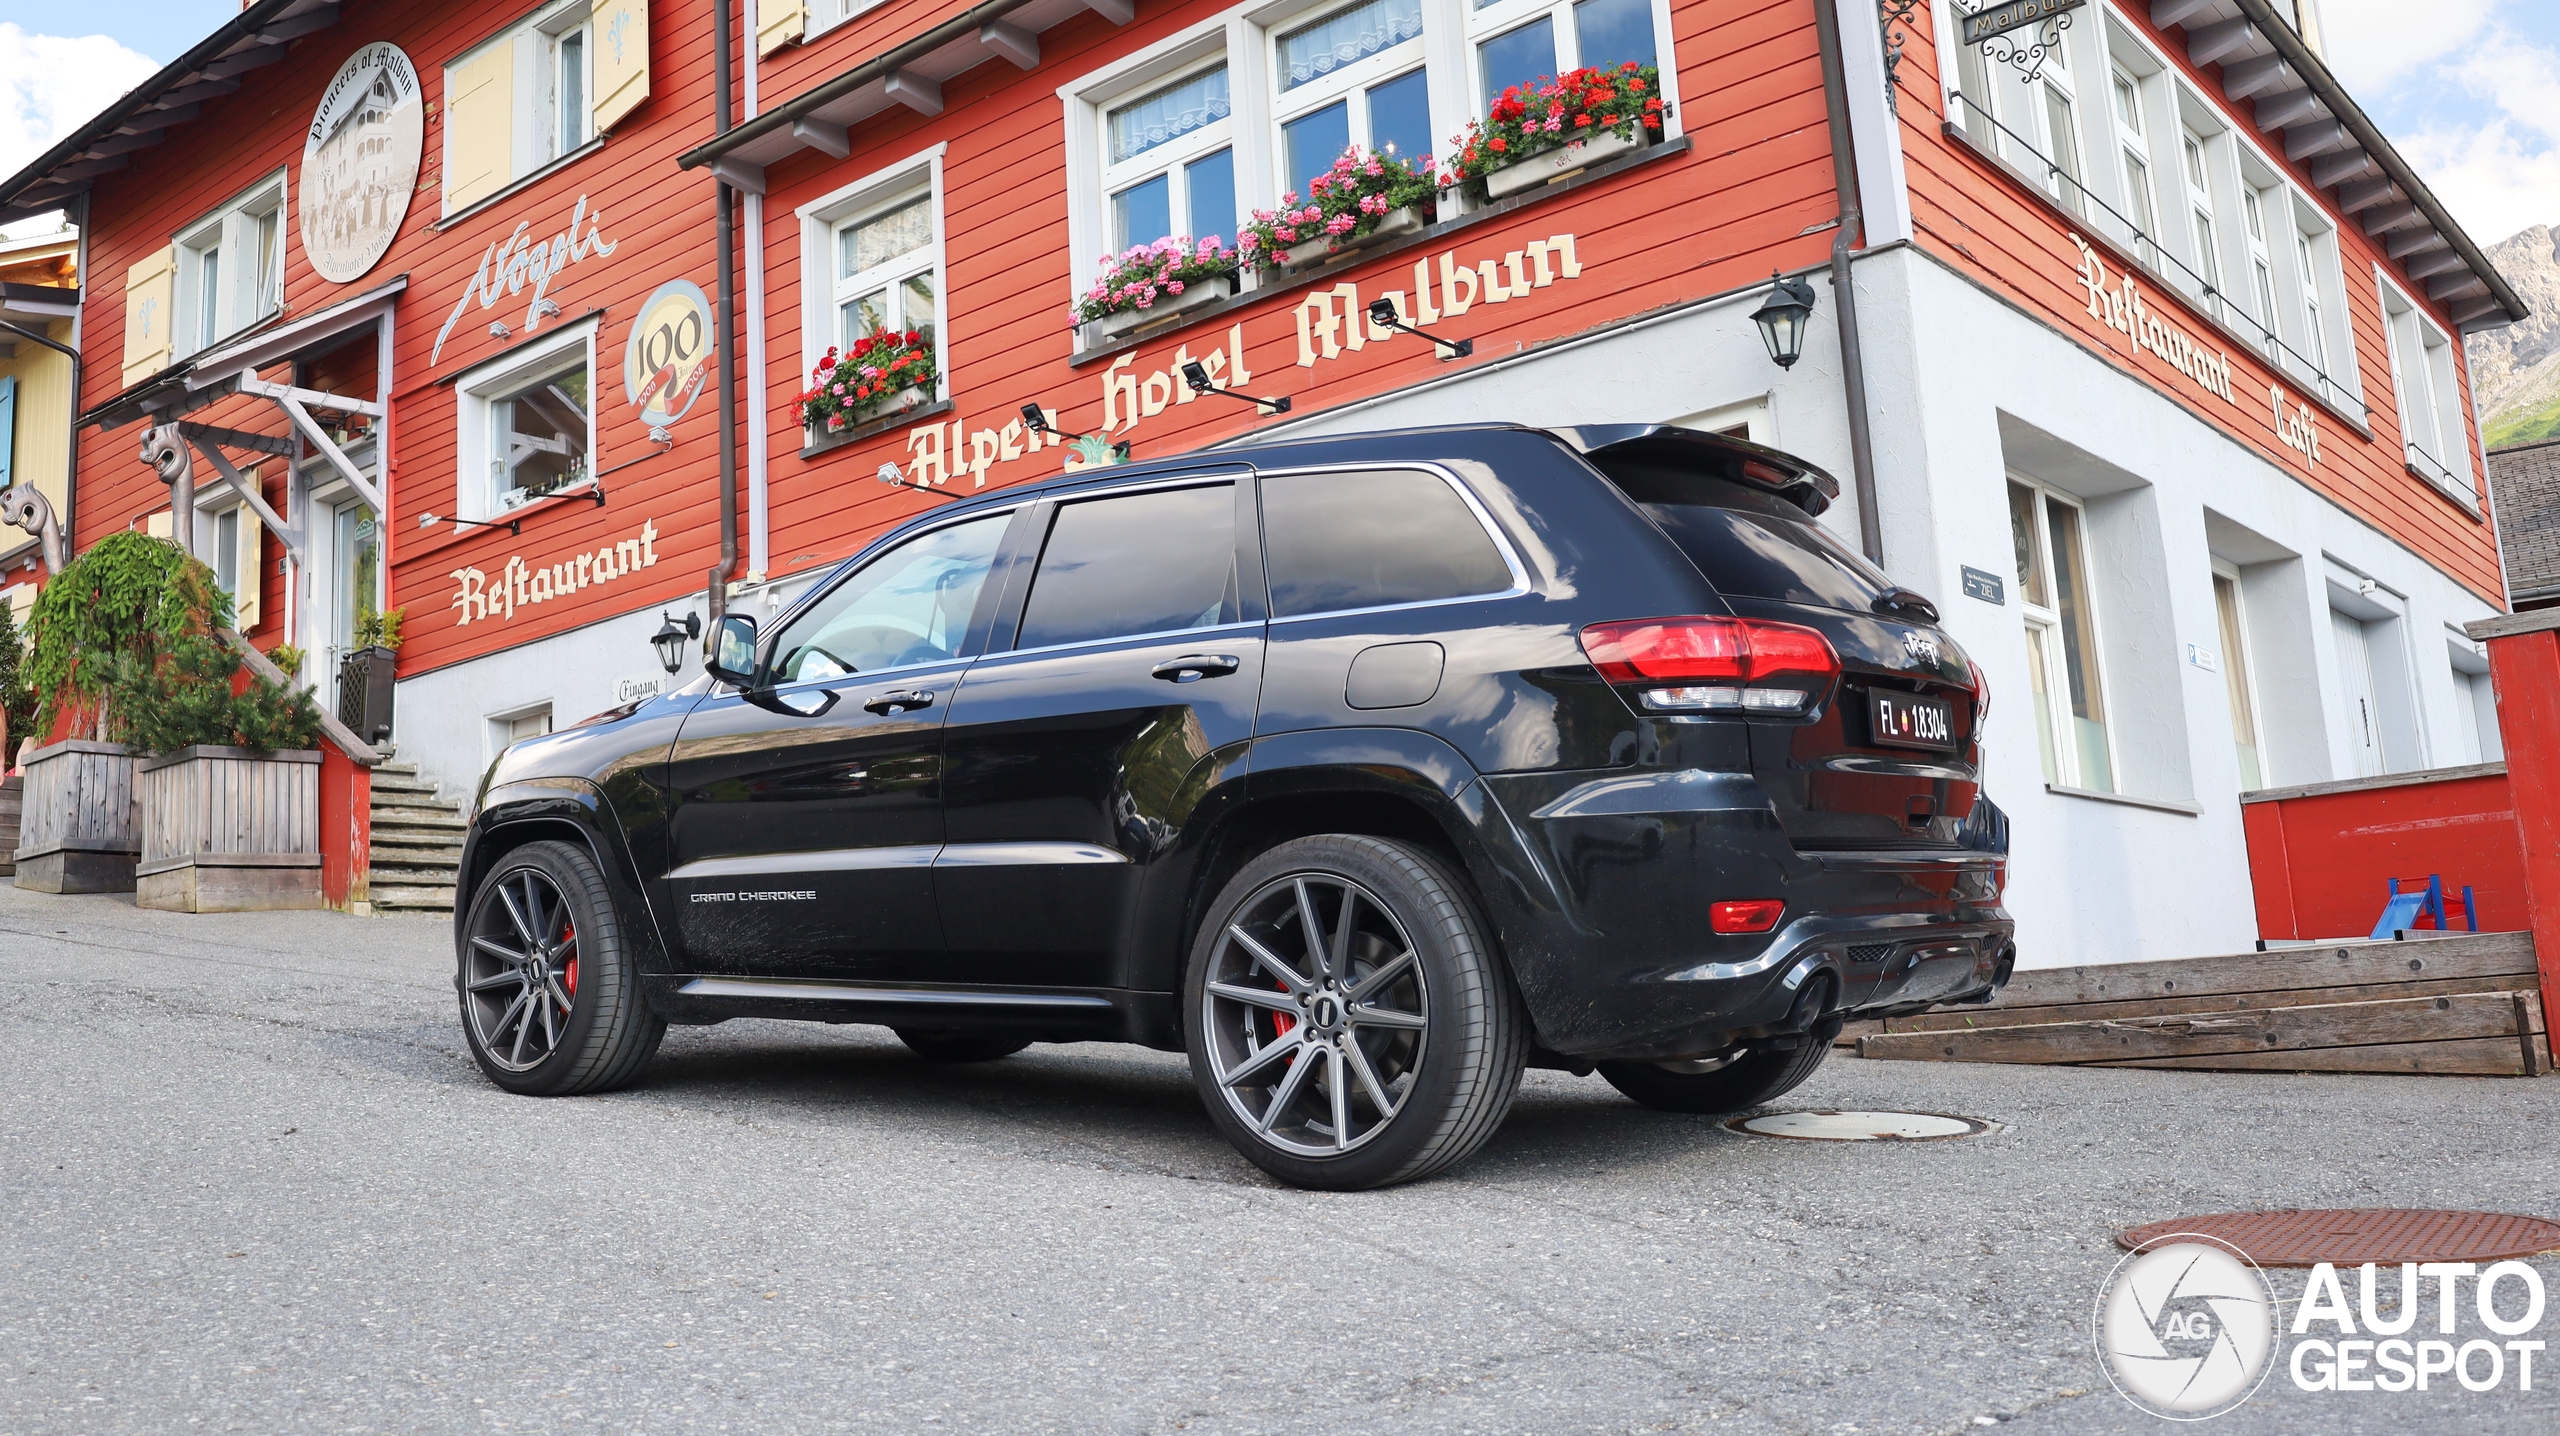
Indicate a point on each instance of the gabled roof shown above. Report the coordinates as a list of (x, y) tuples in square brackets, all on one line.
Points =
[(254, 38)]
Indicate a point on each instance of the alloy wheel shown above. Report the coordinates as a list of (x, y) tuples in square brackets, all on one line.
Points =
[(1316, 1013), (520, 976)]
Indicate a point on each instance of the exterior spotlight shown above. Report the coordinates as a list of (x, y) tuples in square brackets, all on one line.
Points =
[(1382, 313), (896, 478), (672, 637), (1781, 317), (1198, 379), (513, 526)]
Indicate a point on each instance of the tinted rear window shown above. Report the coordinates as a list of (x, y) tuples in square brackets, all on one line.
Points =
[(1368, 539), (1153, 562), (1755, 545)]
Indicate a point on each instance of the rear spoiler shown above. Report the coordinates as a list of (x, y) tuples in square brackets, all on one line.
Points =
[(1738, 460)]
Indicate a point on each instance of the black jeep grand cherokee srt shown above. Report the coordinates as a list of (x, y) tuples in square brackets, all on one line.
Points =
[(1367, 770)]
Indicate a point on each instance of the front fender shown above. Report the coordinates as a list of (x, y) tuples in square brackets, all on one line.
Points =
[(529, 809)]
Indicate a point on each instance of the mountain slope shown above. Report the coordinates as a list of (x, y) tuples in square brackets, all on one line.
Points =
[(2514, 376)]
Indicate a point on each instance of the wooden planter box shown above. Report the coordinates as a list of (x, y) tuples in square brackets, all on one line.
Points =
[(13, 792), (1394, 224), (1555, 164), (1200, 295), (79, 831), (227, 830)]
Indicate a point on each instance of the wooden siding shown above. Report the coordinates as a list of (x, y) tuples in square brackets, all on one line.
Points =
[(2017, 244)]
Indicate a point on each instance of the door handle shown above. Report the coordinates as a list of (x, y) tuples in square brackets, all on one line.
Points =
[(1192, 667), (899, 701)]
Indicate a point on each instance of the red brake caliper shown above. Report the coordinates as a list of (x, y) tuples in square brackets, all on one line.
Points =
[(569, 974), (1282, 1024)]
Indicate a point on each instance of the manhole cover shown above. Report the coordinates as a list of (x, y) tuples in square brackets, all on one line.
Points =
[(2370, 1234), (1828, 1126)]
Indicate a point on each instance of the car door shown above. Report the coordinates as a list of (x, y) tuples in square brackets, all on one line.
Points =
[(806, 815), (1082, 743)]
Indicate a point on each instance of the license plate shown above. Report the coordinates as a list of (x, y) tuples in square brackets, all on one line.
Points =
[(1899, 720)]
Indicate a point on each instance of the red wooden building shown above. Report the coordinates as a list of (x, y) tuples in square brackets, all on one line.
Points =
[(2148, 365)]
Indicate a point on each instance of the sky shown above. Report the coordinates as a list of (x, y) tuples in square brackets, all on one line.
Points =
[(2468, 89)]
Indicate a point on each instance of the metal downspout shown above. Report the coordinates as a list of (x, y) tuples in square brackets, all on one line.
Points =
[(1844, 293), (728, 320), (759, 444)]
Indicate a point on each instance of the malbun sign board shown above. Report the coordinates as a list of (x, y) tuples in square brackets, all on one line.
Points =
[(2000, 19)]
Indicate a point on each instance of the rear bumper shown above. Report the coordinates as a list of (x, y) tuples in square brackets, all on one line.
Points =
[(1608, 935)]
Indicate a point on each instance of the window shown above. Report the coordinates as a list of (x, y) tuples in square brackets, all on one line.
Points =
[(541, 91), (2236, 680), (2062, 136), (910, 605), (2359, 701), (1338, 541), (2208, 249), (2133, 158), (2475, 697), (1169, 154), (871, 257), (885, 271), (2262, 273), (1352, 77), (1752, 544), (527, 426), (1161, 561), (2062, 638), (1517, 41), (231, 267), (2423, 381)]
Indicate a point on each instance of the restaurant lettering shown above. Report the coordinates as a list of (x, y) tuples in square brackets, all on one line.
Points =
[(2295, 427), (507, 266), (2120, 307), (521, 585)]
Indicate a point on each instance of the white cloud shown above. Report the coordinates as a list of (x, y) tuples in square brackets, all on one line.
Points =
[(50, 83), (2502, 173), (2370, 43)]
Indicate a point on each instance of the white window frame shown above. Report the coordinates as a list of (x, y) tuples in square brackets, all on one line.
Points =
[(2044, 628), (1504, 16), (817, 17), (248, 278), (1172, 159), (535, 139), (823, 218), (2266, 313), (1349, 84), (2425, 387), (478, 389), (2136, 171), (2326, 361), (1969, 91), (1246, 37), (558, 136), (2225, 571)]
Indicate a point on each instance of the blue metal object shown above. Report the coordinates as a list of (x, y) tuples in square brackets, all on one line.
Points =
[(2401, 913)]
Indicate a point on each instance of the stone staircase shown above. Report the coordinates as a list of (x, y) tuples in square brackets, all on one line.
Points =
[(417, 842)]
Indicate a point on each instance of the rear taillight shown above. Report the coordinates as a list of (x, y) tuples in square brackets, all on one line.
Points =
[(1981, 696), (1728, 665), (1746, 915)]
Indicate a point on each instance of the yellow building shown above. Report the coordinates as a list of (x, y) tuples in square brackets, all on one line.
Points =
[(39, 294)]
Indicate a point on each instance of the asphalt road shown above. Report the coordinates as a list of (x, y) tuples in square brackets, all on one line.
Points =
[(250, 1182)]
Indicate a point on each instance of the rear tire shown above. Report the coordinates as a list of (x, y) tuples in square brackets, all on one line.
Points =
[(1349, 1022), (1744, 1083), (934, 1045), (550, 993)]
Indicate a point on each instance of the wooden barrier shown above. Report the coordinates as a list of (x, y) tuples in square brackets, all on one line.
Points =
[(228, 830), (13, 797), (80, 831), (2321, 856), (2453, 1005)]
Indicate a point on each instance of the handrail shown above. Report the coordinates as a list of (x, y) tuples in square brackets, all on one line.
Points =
[(339, 733)]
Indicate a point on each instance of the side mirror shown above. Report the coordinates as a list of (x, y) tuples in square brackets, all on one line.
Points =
[(733, 651)]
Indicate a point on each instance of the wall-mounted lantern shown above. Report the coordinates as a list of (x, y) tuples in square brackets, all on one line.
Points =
[(1781, 317), (672, 637)]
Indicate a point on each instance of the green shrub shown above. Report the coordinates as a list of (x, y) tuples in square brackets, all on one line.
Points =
[(17, 700), (126, 600), (186, 698)]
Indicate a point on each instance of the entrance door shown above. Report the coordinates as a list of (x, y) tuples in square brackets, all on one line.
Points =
[(355, 577), (1077, 755), (806, 819), (2355, 688)]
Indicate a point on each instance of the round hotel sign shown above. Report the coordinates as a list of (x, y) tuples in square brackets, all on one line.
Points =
[(360, 162), (669, 356)]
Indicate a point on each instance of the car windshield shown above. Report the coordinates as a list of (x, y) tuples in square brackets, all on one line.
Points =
[(1751, 544), (910, 605)]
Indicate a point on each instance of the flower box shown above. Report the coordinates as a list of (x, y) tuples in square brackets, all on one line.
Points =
[(228, 830), (79, 830), (1199, 294), (1549, 165), (1395, 224)]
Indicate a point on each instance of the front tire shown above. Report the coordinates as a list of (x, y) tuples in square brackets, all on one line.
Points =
[(1349, 1022), (1746, 1082), (550, 994)]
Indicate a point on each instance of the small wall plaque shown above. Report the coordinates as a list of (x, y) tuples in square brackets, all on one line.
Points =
[(1984, 586)]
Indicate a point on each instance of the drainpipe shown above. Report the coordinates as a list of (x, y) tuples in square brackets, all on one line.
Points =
[(1844, 293), (759, 539), (728, 321)]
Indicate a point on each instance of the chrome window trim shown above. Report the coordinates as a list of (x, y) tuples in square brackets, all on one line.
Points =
[(1242, 629), (854, 564), (1484, 519), (1189, 480)]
